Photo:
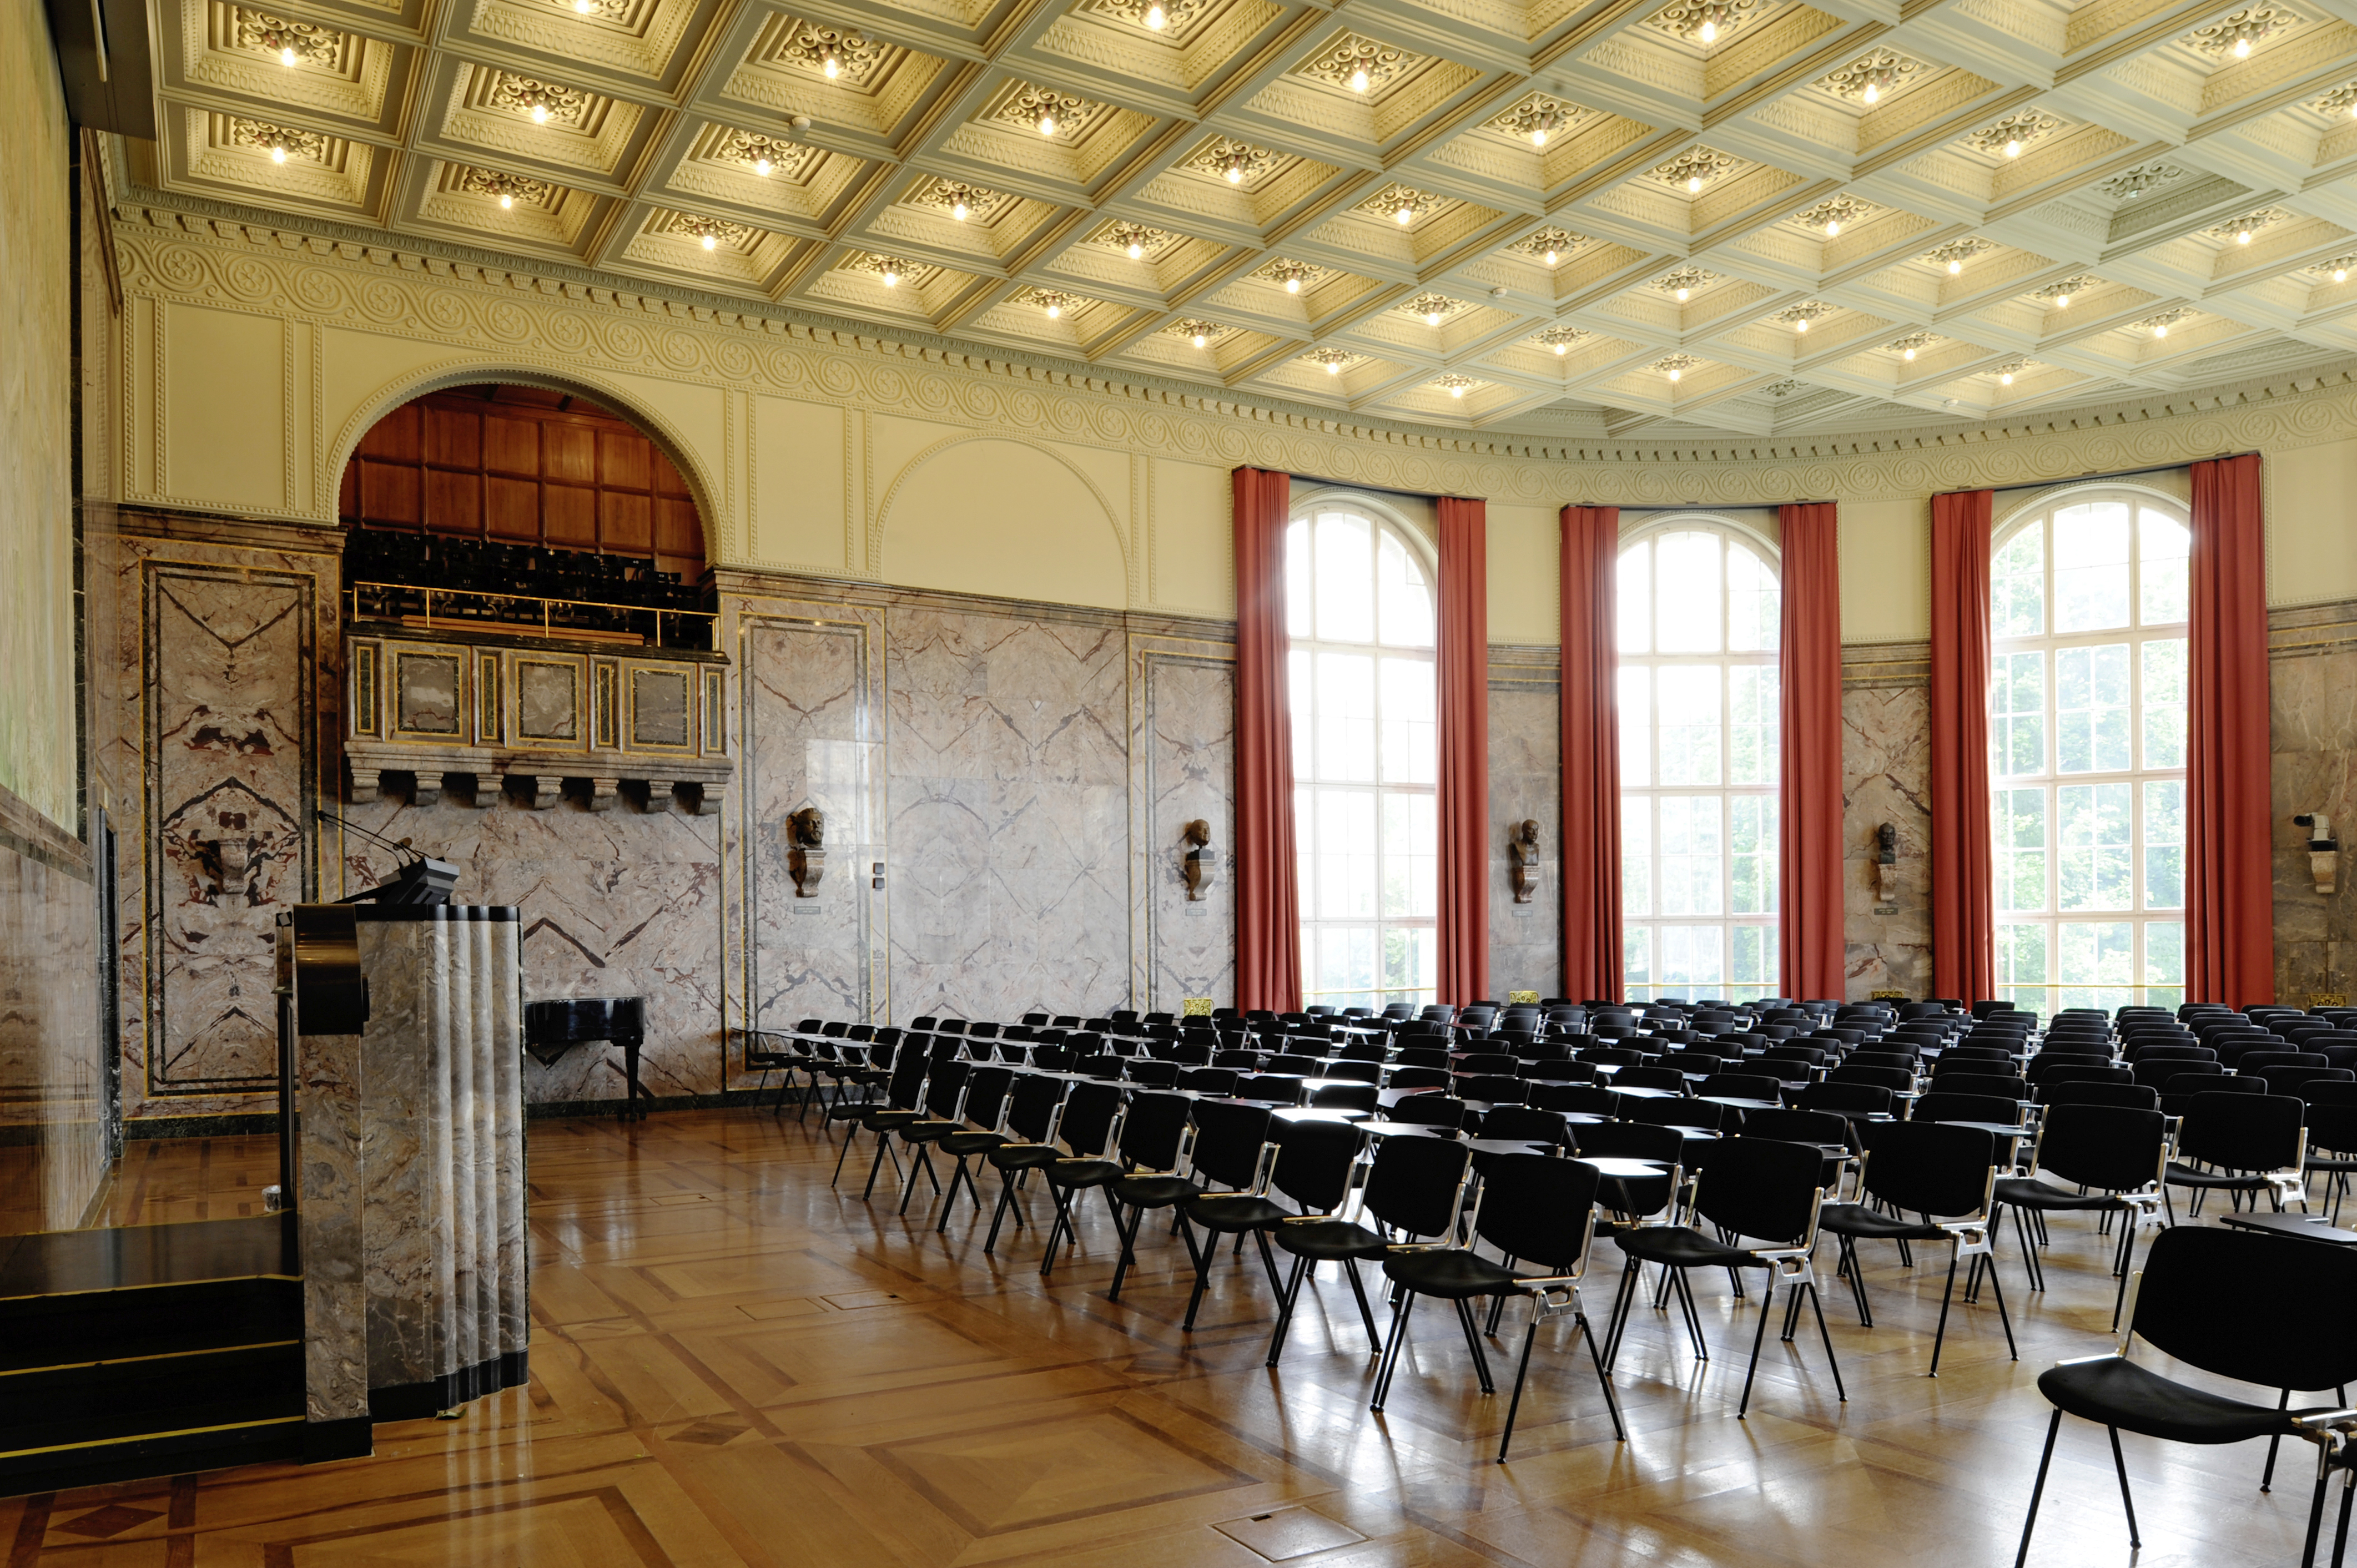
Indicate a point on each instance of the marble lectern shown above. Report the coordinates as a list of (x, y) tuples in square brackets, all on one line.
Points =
[(411, 1172)]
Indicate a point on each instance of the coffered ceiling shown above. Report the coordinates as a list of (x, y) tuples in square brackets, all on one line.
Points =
[(1760, 215)]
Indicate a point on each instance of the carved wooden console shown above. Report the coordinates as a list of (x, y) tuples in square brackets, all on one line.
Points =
[(535, 711)]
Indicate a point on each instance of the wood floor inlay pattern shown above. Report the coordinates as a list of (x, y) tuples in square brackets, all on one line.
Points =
[(736, 1365)]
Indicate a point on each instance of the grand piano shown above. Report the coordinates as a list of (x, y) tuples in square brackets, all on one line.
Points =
[(553, 1027)]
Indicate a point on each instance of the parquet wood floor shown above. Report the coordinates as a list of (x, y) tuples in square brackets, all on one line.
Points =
[(733, 1364)]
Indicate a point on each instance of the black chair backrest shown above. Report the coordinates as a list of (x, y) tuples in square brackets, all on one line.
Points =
[(1208, 1079), (1985, 1083), (1522, 1122), (1929, 1167), (1741, 1085), (1796, 1126), (1313, 1163), (1650, 1078), (1089, 1112), (2214, 1298), (1891, 1079), (2242, 1132), (1154, 1130), (1362, 1097), (2300, 1079), (944, 1088), (1228, 1139), (908, 1081), (1677, 1111), (1031, 1111), (1760, 1188), (1152, 1073), (1414, 1183), (2110, 1148), (1428, 1111), (2139, 1096), (1849, 1099), (1357, 1071), (1586, 1099), (985, 1095), (1539, 1210), (2070, 1074), (1495, 1088), (1941, 1105)]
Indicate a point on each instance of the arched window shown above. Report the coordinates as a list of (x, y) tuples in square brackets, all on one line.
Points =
[(1697, 603), (2087, 692), (1360, 613)]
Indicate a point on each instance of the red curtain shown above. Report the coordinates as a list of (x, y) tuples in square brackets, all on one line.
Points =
[(1268, 909), (1810, 893), (2230, 878), (1964, 935), (1464, 681), (1591, 754)]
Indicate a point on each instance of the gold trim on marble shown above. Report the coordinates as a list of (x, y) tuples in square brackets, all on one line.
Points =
[(366, 718), (401, 661), (466, 623), (605, 717), (489, 729), (716, 712), (686, 744)]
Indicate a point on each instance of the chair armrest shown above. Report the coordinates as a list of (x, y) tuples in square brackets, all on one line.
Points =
[(2090, 1361)]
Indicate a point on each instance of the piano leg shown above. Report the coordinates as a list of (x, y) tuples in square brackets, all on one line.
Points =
[(633, 1087)]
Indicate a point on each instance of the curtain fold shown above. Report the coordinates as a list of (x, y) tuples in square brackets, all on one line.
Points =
[(1268, 910), (1463, 677), (1589, 564), (1814, 957), (2229, 877), (1963, 934)]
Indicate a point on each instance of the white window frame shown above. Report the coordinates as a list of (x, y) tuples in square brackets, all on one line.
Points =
[(1386, 518), (2048, 995), (1642, 802)]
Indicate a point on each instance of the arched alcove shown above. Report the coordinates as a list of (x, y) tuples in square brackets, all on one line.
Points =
[(1007, 519), (506, 463)]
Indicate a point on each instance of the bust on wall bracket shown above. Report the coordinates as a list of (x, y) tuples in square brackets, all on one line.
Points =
[(806, 850), (1885, 863), (1199, 864), (1522, 858)]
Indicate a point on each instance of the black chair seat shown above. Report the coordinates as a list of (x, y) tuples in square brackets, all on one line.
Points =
[(1233, 1211), (972, 1142), (1153, 1191), (1025, 1157), (1680, 1247), (1079, 1173), (2226, 1181), (1327, 1240), (1873, 1225), (1448, 1273), (882, 1120), (2330, 1162), (931, 1130), (2116, 1392), (2022, 1192)]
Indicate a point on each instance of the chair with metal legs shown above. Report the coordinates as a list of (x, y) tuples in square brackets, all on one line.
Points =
[(1034, 1109), (2240, 1143), (2112, 1158), (1309, 1162), (1415, 1185), (1930, 1169), (1753, 1187), (1536, 1207), (1090, 1131), (1157, 1137), (988, 1096), (2215, 1298), (903, 1096)]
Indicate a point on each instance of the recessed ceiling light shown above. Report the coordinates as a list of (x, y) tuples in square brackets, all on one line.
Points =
[(1954, 267), (1156, 17), (1406, 213), (1910, 353), (761, 165), (1801, 325), (2013, 148), (892, 275), (2243, 237), (1456, 391), (286, 55), (1359, 79), (830, 63), (1552, 255), (277, 152), (540, 113), (1333, 367), (1047, 122), (712, 241), (585, 7), (1694, 183), (1055, 309), (1235, 171), (2006, 378), (1136, 251), (1832, 227), (1675, 374), (1292, 286), (2063, 301), (2160, 330), (2341, 274), (958, 208), (507, 201), (2242, 49), (1200, 340), (1707, 32), (1561, 349), (1683, 294)]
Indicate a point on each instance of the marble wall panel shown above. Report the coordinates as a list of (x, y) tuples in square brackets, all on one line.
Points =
[(231, 747), (2312, 721), (1182, 769), (212, 672), (1007, 800), (1886, 778), (623, 902), (52, 1048), (1525, 781), (810, 735)]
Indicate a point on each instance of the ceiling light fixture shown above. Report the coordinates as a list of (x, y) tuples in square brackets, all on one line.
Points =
[(1832, 227), (1047, 122), (2242, 49), (1675, 374), (711, 242), (2242, 236), (1432, 318), (286, 55), (1693, 184), (891, 273), (1333, 367), (1683, 293), (2341, 274), (1292, 286), (1955, 265), (1359, 79), (1156, 17), (762, 165), (507, 200), (1801, 325), (2013, 148), (1456, 391), (1235, 171), (2160, 330), (1911, 353), (1201, 338), (278, 152), (830, 63), (2005, 378), (1405, 213), (1561, 349), (958, 208), (582, 8), (2062, 301)]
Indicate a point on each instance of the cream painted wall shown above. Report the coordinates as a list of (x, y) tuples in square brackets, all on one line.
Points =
[(252, 361), (38, 734)]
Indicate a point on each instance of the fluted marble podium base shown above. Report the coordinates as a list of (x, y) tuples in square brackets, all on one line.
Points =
[(410, 1202)]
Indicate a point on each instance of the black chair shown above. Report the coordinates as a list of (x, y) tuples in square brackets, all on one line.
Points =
[(1033, 1108), (1415, 1185), (1088, 1128), (1635, 1198), (2214, 1299), (901, 1103), (1932, 1169), (2111, 1157), (2332, 1137), (1533, 1209), (1309, 1162), (987, 1097), (2240, 1143), (1749, 1187), (2133, 1095), (1155, 1137), (1942, 1106), (1428, 1111)]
